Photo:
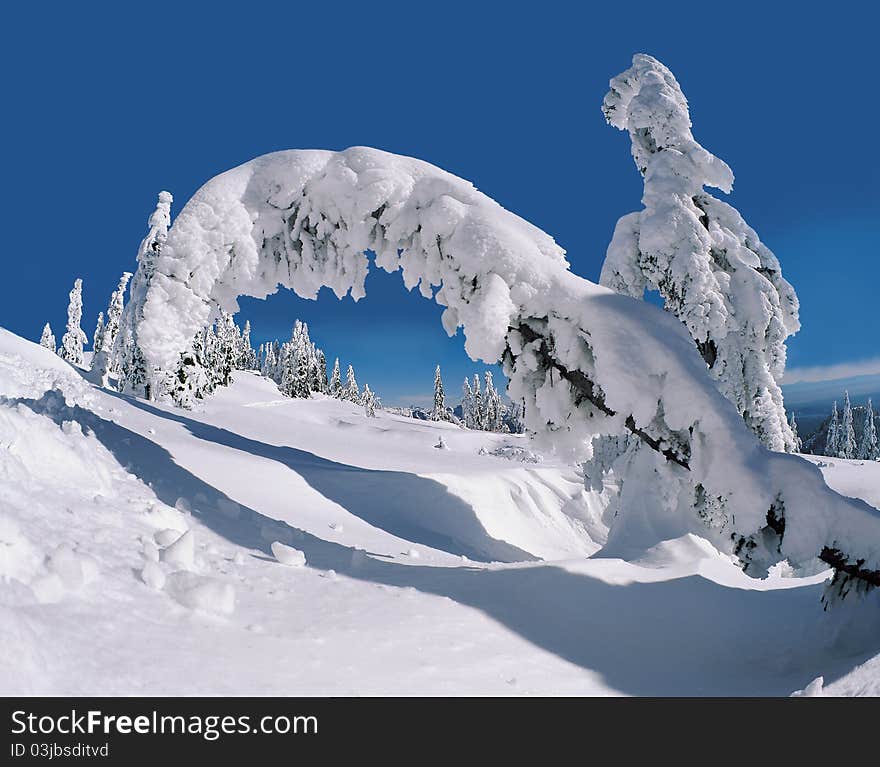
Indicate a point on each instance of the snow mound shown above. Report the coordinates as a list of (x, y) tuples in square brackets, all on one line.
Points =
[(287, 555), (199, 592)]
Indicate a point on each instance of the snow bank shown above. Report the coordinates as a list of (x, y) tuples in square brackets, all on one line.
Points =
[(584, 360)]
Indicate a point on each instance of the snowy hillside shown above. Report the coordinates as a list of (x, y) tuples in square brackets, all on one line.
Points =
[(148, 550)]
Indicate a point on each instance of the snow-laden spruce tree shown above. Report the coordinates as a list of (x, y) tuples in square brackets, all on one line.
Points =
[(438, 411), (832, 436), (336, 381), (247, 357), (320, 374), (846, 447), (74, 339), (467, 404), (98, 337), (47, 339), (479, 411), (351, 392), (708, 265), (128, 355), (369, 402), (493, 407), (792, 424), (868, 447), (104, 350)]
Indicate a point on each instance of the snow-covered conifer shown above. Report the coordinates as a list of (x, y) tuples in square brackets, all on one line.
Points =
[(467, 404), (47, 339), (479, 411), (709, 266), (792, 424), (438, 412), (369, 402), (74, 339), (336, 381), (321, 372), (128, 357), (247, 359), (98, 338), (351, 392), (104, 351), (846, 447), (492, 406), (832, 441), (868, 447)]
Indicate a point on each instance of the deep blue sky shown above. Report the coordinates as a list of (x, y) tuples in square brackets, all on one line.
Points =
[(105, 106)]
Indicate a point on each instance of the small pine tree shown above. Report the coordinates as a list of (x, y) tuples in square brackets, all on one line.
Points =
[(98, 338), (104, 351), (792, 423), (438, 413), (47, 339), (479, 412), (369, 402), (336, 381), (321, 373), (351, 392), (74, 339), (493, 409), (846, 447), (467, 404), (831, 438), (868, 447)]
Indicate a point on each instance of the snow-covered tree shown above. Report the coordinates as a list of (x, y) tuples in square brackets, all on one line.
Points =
[(493, 407), (792, 424), (74, 339), (438, 412), (47, 339), (247, 357), (98, 337), (467, 404), (351, 392), (868, 447), (269, 361), (583, 361), (192, 379), (369, 402), (707, 264), (104, 351), (320, 380), (336, 381), (846, 447), (479, 411), (832, 436), (135, 374)]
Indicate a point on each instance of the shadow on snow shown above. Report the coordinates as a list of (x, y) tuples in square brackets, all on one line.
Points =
[(688, 636)]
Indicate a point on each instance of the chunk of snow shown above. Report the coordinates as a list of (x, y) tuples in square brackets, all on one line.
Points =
[(153, 575), (199, 592), (182, 552), (167, 537), (287, 555)]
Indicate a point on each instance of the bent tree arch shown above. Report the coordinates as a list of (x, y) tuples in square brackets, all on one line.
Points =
[(585, 360)]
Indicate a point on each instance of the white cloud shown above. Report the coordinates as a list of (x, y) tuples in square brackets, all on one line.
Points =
[(832, 372)]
